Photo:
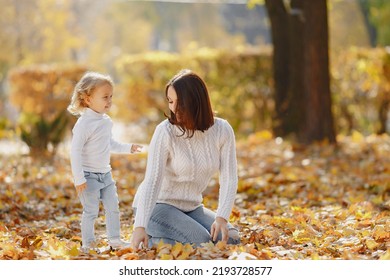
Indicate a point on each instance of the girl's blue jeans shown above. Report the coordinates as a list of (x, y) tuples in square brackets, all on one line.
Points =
[(172, 225), (100, 187)]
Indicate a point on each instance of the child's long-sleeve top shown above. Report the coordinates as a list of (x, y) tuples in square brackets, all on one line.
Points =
[(179, 169), (91, 145)]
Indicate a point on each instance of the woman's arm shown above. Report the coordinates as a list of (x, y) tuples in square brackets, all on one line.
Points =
[(149, 189), (228, 182), (228, 178)]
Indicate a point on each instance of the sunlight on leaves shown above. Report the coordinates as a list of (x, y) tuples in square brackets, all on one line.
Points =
[(292, 203)]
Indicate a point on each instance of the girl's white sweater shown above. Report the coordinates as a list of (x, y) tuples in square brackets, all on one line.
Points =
[(92, 144)]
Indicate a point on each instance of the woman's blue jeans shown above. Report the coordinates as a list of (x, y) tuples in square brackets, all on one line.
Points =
[(172, 225), (100, 187)]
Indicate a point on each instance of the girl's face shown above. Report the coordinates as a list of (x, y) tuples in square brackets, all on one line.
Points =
[(172, 99), (101, 99)]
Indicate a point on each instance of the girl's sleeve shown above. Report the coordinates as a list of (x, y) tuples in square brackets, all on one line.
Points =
[(79, 139), (118, 147), (149, 189), (228, 178)]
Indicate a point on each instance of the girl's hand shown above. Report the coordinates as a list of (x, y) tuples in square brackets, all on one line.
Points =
[(136, 148), (81, 188), (139, 236), (219, 225)]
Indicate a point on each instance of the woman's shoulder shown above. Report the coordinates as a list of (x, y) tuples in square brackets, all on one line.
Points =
[(223, 128), (221, 123), (164, 127)]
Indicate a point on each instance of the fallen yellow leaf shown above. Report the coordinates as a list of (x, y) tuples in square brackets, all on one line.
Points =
[(166, 257), (177, 249), (371, 244)]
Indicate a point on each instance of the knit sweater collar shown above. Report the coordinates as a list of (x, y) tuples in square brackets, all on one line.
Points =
[(89, 113), (197, 133)]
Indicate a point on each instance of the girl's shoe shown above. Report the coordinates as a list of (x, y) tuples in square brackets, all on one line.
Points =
[(90, 247), (117, 244)]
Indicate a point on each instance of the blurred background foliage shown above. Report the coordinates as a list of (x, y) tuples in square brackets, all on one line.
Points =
[(41, 93), (240, 94), (48, 44)]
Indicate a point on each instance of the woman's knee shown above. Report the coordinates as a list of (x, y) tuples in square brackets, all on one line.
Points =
[(234, 237), (156, 240), (178, 227)]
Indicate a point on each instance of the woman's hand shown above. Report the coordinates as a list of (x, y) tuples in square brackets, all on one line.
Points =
[(139, 236), (81, 188), (219, 225)]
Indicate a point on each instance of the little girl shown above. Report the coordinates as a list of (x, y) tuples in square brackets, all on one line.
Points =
[(90, 157)]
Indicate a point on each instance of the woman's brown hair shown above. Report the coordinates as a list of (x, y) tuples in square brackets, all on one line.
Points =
[(193, 103)]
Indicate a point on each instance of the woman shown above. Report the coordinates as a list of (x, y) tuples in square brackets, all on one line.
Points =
[(186, 150)]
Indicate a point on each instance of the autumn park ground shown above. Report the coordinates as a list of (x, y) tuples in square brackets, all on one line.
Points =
[(293, 202)]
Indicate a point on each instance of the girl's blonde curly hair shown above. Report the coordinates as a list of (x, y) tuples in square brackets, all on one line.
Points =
[(85, 87)]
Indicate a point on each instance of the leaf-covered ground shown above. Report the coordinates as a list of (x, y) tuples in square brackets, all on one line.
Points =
[(293, 202)]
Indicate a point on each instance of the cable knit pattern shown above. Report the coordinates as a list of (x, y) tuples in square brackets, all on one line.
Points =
[(179, 169)]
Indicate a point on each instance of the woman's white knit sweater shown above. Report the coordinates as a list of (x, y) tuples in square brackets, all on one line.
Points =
[(179, 169)]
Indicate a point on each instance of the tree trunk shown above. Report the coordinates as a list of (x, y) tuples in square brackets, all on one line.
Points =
[(301, 69), (319, 119), (371, 29), (296, 116), (278, 17)]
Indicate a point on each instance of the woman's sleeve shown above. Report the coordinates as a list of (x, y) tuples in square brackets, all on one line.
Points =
[(150, 187), (228, 178)]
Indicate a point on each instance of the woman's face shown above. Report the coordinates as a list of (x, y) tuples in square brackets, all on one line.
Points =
[(172, 99)]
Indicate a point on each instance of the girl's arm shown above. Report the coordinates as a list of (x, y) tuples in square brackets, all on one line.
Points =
[(120, 148), (79, 139), (123, 148)]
